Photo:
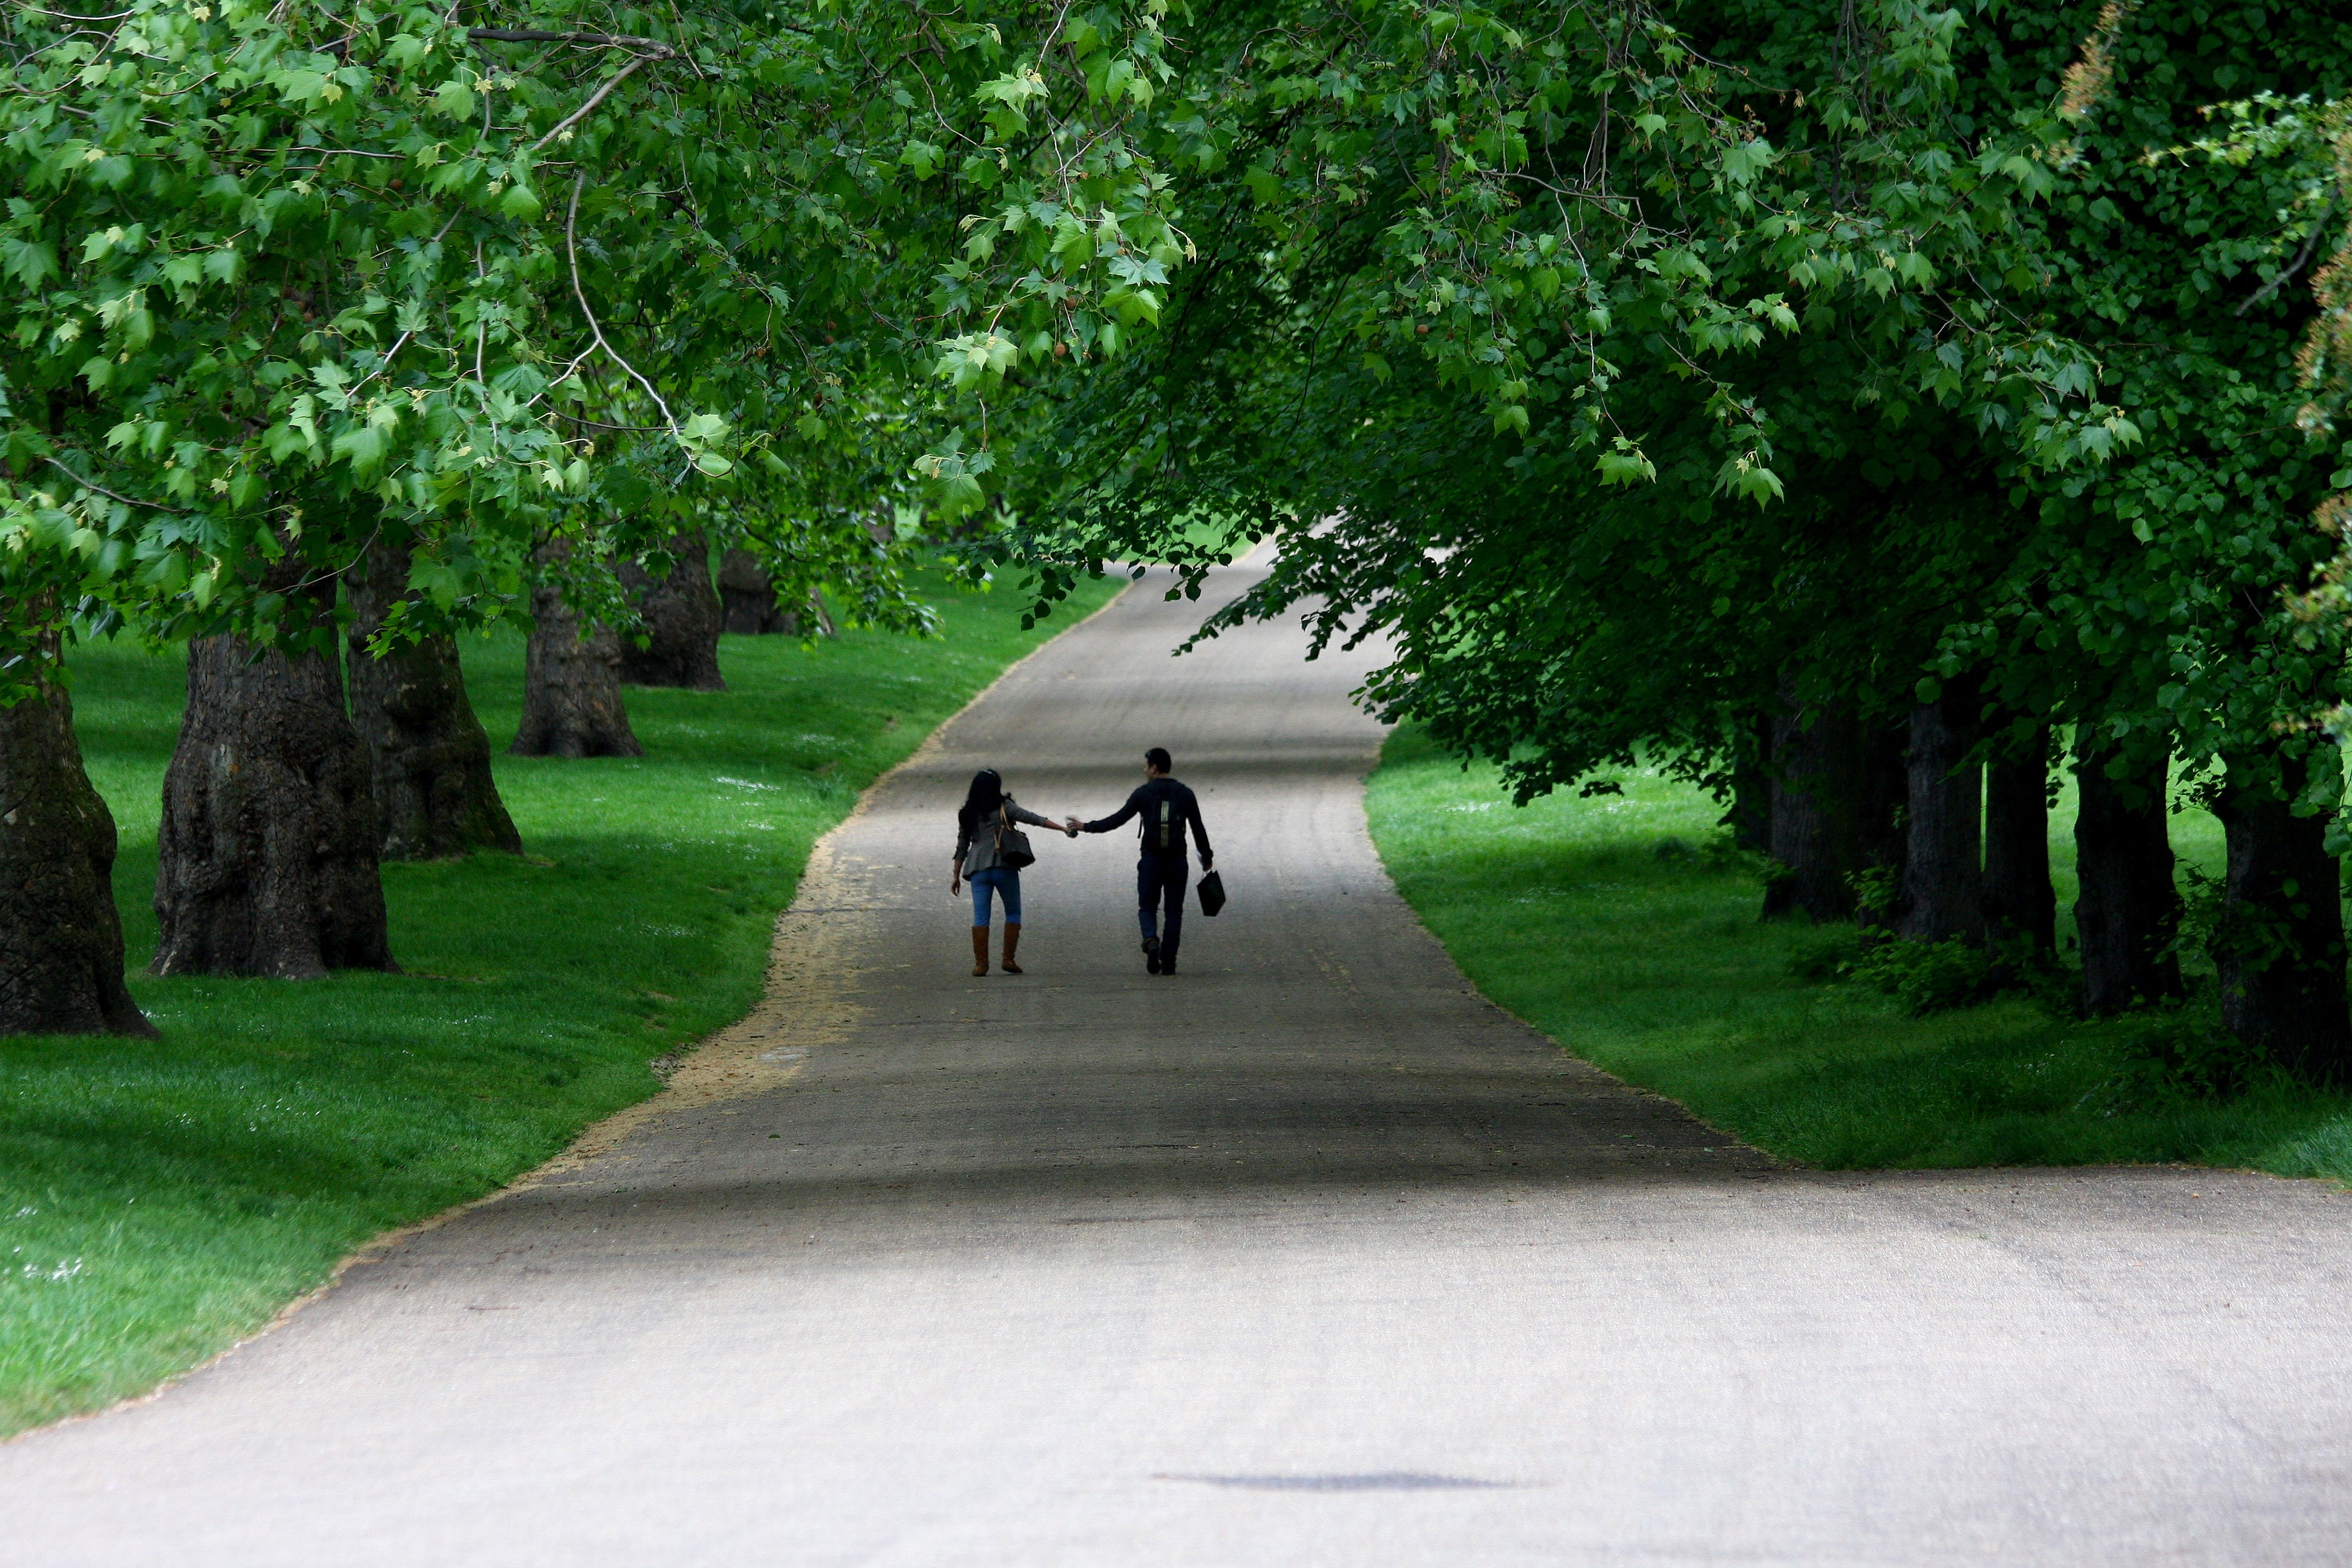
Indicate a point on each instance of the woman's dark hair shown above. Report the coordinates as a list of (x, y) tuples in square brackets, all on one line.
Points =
[(1159, 758), (986, 794)]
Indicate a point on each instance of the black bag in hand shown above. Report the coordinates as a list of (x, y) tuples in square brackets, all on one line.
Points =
[(1212, 893)]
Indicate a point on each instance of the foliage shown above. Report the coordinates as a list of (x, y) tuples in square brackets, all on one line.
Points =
[(285, 278)]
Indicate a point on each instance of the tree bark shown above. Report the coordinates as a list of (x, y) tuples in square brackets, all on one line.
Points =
[(2128, 913), (1813, 843), (1943, 880), (2020, 905), (267, 853), (1820, 780), (1750, 816), (429, 760), (2280, 946), (748, 599), (60, 935), (682, 620), (572, 682)]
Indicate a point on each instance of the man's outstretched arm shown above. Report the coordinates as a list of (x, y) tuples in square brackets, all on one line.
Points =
[(1200, 832), (1104, 824)]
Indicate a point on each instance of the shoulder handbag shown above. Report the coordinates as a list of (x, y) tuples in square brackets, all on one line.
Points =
[(1212, 893), (1012, 845)]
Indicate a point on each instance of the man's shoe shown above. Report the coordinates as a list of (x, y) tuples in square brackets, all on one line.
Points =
[(1150, 955), (1168, 964)]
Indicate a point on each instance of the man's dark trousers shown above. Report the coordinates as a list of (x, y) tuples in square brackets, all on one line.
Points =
[(1160, 884)]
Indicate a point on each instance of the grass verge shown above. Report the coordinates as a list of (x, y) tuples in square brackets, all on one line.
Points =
[(158, 1199), (1621, 927)]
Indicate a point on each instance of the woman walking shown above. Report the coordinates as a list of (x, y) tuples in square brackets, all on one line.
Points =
[(989, 854)]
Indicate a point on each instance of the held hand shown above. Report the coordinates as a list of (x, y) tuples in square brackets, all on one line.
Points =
[(1070, 826)]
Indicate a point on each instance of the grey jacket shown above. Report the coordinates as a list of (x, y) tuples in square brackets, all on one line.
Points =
[(976, 845)]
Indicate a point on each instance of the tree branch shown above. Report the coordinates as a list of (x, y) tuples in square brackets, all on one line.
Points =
[(647, 48), (577, 115), (572, 254)]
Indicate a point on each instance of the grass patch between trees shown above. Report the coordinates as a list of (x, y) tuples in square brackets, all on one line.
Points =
[(160, 1198), (1623, 927)]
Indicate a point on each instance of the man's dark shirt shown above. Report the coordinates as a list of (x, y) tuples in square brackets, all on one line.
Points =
[(1166, 807)]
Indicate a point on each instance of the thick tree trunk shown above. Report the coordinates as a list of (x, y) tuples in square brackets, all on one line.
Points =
[(1943, 881), (2128, 913), (429, 759), (267, 853), (2280, 948), (748, 598), (2020, 906), (1750, 816), (1817, 789), (1837, 800), (682, 619), (572, 682), (60, 937)]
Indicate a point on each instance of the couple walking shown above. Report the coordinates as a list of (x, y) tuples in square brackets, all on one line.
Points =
[(1161, 872)]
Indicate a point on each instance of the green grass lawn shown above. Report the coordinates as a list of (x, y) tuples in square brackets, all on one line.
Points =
[(1621, 927), (160, 1198)]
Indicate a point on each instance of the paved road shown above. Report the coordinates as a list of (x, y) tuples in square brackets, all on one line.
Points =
[(1306, 1256)]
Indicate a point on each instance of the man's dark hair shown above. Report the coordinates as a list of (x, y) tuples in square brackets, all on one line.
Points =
[(1159, 758)]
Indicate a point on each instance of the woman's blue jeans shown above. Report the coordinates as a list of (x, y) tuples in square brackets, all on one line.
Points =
[(1005, 882)]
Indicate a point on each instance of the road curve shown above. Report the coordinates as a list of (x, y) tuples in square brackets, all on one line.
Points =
[(1305, 1256)]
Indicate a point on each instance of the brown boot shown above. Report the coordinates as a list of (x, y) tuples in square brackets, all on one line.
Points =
[(1012, 946), (980, 949)]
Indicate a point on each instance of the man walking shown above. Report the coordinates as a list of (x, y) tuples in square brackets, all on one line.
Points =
[(1163, 872)]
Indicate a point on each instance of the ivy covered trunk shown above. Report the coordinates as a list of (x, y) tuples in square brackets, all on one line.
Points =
[(2280, 942), (682, 618), (747, 598), (1943, 879), (60, 936), (571, 682), (2020, 905), (428, 757), (267, 859), (2128, 911)]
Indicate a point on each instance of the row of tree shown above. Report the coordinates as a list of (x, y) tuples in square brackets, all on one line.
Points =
[(1862, 403), (1873, 407), (334, 333)]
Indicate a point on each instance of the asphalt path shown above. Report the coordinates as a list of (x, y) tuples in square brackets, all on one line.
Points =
[(1307, 1255)]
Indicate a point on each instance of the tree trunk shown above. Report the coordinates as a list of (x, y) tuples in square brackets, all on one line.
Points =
[(2279, 946), (1881, 808), (748, 598), (428, 756), (268, 855), (2128, 913), (1837, 810), (1817, 784), (60, 937), (1943, 882), (1750, 816), (572, 682), (2020, 906), (682, 619)]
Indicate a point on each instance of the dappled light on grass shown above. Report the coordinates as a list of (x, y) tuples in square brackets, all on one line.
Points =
[(1624, 928), (158, 1199)]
